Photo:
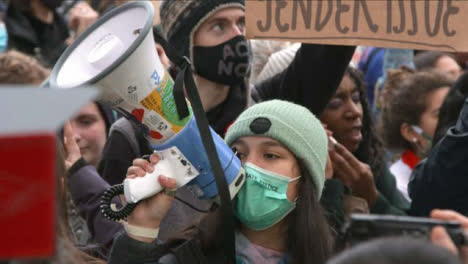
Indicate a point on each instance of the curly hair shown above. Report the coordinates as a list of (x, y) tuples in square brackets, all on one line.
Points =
[(405, 103), (370, 150), (19, 68), (395, 78)]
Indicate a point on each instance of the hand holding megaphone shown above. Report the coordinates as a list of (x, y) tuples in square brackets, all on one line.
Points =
[(150, 213)]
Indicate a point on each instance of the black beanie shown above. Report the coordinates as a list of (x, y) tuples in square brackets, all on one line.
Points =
[(181, 18)]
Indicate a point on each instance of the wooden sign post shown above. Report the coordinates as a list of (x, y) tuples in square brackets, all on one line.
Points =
[(415, 24)]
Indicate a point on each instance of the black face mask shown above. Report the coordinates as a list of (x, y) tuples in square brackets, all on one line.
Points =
[(227, 63), (52, 4)]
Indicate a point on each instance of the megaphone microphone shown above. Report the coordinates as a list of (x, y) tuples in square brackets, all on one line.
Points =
[(117, 55)]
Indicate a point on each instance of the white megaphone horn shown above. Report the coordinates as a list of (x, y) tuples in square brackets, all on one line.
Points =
[(117, 55)]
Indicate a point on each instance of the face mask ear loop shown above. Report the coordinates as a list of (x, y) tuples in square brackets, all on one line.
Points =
[(421, 132), (295, 179)]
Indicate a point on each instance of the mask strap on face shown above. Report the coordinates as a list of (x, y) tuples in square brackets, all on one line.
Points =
[(421, 132), (185, 78), (295, 179)]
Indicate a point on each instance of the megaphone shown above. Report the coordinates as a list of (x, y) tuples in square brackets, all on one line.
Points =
[(117, 55)]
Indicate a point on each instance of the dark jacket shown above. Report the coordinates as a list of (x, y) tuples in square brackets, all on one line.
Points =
[(441, 181), (390, 200), (45, 42), (205, 248), (86, 188)]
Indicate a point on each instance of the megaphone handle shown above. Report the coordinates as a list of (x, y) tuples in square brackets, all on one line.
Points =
[(172, 163)]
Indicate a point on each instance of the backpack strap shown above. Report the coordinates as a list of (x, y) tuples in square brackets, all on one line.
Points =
[(125, 127)]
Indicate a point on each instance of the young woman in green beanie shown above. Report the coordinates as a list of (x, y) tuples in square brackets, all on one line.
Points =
[(283, 149)]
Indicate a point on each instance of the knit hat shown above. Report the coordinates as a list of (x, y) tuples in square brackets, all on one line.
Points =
[(278, 62), (181, 18), (292, 125)]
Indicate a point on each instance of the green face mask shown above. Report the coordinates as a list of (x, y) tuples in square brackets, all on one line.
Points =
[(262, 201)]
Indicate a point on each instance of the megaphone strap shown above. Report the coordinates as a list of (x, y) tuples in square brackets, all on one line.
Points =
[(185, 77), (218, 172), (178, 92)]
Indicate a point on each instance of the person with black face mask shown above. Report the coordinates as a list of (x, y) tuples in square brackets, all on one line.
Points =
[(211, 33), (37, 29)]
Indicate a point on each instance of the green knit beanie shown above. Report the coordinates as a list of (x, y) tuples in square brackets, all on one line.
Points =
[(292, 125)]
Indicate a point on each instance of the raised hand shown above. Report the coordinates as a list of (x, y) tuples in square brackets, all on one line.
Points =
[(150, 212), (355, 174)]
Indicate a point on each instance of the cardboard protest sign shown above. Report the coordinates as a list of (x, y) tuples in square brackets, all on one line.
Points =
[(414, 24)]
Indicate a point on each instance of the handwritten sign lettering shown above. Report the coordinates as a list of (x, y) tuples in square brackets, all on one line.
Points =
[(416, 24)]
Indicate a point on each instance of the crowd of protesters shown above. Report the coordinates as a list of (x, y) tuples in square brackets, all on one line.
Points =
[(336, 129)]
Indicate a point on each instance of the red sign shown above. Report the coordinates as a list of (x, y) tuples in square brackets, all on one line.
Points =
[(27, 196)]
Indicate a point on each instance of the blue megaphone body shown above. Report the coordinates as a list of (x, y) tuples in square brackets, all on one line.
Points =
[(189, 142)]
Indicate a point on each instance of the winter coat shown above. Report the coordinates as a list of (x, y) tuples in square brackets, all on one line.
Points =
[(441, 181), (45, 42)]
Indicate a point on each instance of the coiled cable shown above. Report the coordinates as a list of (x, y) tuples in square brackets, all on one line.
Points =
[(106, 201)]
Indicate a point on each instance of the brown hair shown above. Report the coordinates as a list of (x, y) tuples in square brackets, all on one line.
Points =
[(309, 234), (395, 78), (427, 60), (19, 68), (406, 100), (67, 252)]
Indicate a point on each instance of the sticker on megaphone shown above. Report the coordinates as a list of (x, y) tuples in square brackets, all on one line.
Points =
[(159, 111)]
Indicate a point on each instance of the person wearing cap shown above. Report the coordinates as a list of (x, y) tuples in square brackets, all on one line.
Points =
[(283, 149)]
